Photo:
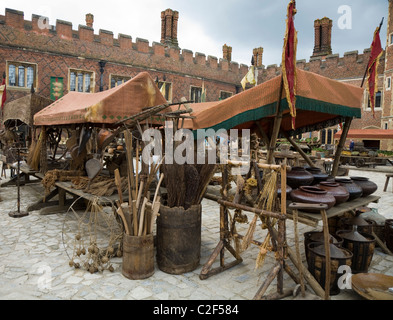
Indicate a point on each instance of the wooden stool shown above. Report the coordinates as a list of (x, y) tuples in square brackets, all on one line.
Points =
[(388, 176)]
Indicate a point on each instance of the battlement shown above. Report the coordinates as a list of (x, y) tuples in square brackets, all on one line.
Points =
[(83, 42), (351, 65)]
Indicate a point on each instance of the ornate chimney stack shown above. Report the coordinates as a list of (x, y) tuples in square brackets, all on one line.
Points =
[(89, 20), (323, 37), (169, 25), (257, 54), (227, 52)]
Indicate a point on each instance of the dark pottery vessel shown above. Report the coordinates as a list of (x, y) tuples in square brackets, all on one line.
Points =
[(340, 193), (288, 191), (317, 174), (317, 264), (361, 224), (362, 246), (389, 234), (313, 195), (355, 191), (367, 186), (298, 177)]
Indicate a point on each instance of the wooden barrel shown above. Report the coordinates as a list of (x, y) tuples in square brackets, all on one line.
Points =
[(179, 239), (317, 265), (363, 251), (138, 257), (389, 234)]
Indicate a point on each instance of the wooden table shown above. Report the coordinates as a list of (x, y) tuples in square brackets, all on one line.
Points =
[(24, 177), (312, 219)]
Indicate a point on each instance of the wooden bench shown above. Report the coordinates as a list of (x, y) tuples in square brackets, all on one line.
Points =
[(388, 176)]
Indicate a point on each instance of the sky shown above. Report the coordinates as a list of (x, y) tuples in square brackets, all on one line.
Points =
[(206, 25)]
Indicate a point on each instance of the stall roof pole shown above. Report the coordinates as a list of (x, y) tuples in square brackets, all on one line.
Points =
[(341, 145), (298, 149), (276, 126)]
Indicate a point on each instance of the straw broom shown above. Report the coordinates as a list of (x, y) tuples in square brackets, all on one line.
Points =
[(33, 159)]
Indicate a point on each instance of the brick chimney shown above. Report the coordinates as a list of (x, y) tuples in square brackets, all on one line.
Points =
[(323, 37), (257, 54), (169, 24), (227, 52), (89, 20)]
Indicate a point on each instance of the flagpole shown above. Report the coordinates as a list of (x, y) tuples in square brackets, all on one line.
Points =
[(365, 73)]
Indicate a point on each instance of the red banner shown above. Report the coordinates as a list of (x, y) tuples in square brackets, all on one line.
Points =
[(289, 61), (3, 93), (372, 69)]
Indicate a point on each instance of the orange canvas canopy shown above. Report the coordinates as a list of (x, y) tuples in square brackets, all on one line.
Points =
[(107, 107), (372, 134), (320, 102)]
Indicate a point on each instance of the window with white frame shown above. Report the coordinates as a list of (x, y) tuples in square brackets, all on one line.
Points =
[(388, 84), (196, 94), (391, 38), (225, 95), (81, 81), (167, 90), (21, 74), (116, 80), (378, 100)]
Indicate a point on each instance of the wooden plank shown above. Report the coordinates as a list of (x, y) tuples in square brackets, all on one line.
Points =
[(336, 210)]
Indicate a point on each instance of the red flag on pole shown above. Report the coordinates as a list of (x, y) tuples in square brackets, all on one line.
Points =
[(289, 60), (372, 68), (3, 93)]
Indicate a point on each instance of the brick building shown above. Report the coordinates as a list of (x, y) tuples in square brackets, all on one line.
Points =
[(35, 53)]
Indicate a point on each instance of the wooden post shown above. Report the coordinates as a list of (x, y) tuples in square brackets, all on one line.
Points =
[(340, 146), (43, 151), (298, 149), (276, 126)]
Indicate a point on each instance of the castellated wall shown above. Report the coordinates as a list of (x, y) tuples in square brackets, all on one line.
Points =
[(349, 68), (60, 47)]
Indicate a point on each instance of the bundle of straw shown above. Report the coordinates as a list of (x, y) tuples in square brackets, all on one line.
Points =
[(33, 158)]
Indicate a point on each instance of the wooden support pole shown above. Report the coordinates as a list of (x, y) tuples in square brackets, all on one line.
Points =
[(251, 209), (298, 149), (264, 135), (276, 126), (340, 146)]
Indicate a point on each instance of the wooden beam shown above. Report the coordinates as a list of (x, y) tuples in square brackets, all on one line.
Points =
[(340, 146), (298, 149), (276, 126)]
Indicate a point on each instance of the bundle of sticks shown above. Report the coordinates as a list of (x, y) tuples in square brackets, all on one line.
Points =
[(140, 212), (186, 184)]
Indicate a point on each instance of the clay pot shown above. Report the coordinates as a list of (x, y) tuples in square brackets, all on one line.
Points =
[(355, 191), (389, 234), (313, 195), (367, 186), (361, 224), (317, 174), (340, 193), (298, 177), (288, 191)]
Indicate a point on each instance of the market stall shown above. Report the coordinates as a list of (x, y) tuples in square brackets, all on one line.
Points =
[(321, 103)]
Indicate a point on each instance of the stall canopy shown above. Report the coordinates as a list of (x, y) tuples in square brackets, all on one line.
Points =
[(22, 110), (107, 107), (321, 102), (369, 134)]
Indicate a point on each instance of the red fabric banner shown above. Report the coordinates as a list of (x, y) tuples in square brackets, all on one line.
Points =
[(372, 69), (289, 61)]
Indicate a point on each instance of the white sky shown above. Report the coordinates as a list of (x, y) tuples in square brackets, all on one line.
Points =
[(206, 25)]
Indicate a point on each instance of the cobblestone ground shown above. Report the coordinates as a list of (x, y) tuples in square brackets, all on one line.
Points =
[(34, 263)]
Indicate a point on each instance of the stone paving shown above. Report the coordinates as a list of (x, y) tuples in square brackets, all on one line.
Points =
[(34, 264)]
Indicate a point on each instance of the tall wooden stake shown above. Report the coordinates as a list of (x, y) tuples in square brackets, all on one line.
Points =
[(276, 126), (340, 146)]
